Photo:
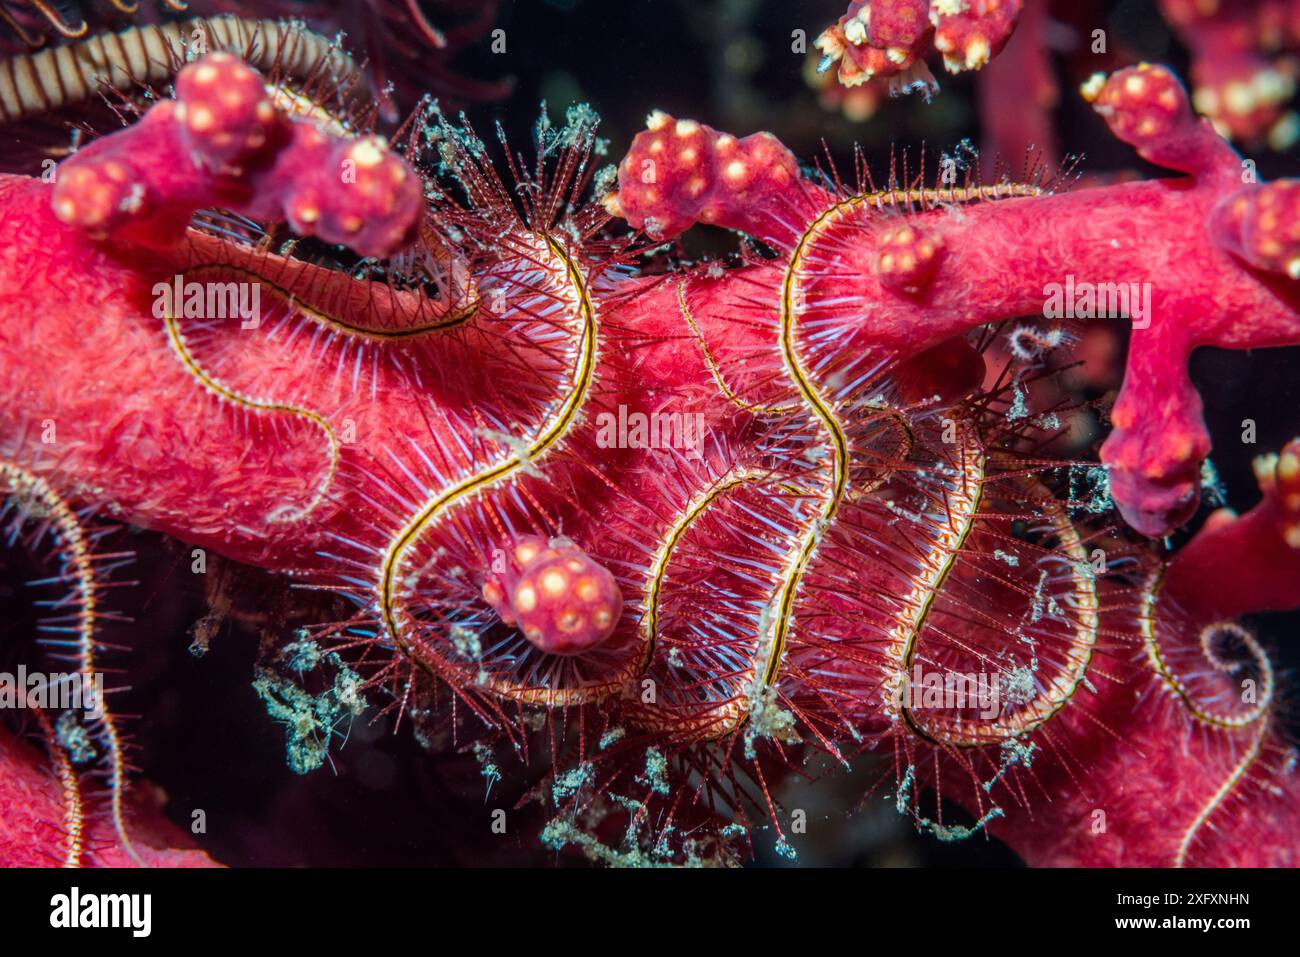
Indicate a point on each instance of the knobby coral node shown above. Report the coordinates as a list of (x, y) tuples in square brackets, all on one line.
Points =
[(1262, 226), (888, 39), (225, 142), (1243, 72), (908, 258), (1159, 442), (876, 38), (224, 112), (1147, 107), (1284, 488), (969, 34), (680, 172), (564, 602)]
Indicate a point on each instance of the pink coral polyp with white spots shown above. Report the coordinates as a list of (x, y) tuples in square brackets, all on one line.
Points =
[(563, 601)]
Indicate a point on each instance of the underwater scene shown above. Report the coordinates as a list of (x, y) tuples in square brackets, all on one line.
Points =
[(568, 434)]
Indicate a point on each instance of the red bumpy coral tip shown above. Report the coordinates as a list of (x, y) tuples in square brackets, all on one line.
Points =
[(889, 38), (1156, 467), (1262, 226), (876, 38), (362, 197), (224, 110), (90, 196), (969, 34), (907, 258), (680, 172), (564, 601), (1147, 107), (223, 142), (1242, 71), (1142, 104), (1279, 475)]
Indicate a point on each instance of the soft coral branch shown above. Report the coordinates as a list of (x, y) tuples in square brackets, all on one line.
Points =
[(35, 823), (224, 142), (1228, 285)]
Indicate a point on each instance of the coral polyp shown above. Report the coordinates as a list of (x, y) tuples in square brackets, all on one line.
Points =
[(681, 531), (561, 600)]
